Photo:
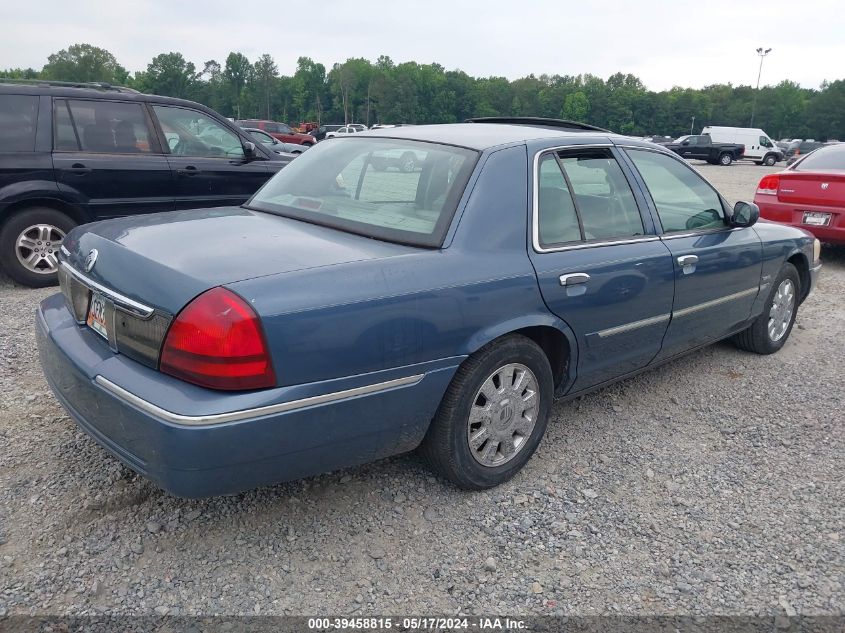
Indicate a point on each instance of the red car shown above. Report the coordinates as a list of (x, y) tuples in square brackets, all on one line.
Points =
[(279, 131), (809, 194)]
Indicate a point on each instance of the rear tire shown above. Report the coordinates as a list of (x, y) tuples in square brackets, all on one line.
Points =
[(514, 417), (770, 330), (29, 245), (725, 159)]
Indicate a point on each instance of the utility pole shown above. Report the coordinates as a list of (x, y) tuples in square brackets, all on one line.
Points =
[(692, 125), (762, 53)]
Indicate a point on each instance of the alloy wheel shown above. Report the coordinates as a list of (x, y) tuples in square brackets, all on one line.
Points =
[(37, 248)]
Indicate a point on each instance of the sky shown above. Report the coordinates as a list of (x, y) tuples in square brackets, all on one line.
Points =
[(663, 42)]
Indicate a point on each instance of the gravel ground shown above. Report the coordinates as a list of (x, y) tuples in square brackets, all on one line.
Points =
[(711, 485)]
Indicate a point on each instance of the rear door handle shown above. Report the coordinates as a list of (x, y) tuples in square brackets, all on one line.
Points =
[(190, 170), (78, 169), (688, 260), (573, 279)]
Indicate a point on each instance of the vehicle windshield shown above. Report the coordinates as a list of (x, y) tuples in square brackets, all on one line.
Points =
[(390, 189), (831, 157)]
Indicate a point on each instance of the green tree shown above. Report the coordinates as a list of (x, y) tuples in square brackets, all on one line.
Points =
[(84, 63), (576, 107), (264, 73), (236, 74), (168, 74)]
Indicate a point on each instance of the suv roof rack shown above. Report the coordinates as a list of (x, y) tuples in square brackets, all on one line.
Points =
[(538, 122), (94, 85)]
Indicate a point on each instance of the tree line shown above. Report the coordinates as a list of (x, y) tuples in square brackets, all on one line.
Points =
[(362, 91)]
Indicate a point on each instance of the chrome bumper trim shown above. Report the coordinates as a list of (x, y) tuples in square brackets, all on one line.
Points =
[(234, 416), (714, 302), (119, 300)]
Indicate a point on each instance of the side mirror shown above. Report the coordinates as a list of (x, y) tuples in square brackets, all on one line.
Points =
[(745, 214), (249, 149)]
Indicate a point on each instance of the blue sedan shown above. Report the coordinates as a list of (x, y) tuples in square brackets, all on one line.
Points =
[(347, 313)]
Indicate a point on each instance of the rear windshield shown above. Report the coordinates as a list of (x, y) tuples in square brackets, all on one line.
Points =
[(831, 157), (391, 189)]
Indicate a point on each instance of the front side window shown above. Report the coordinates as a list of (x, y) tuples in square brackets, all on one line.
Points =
[(765, 142), (390, 189), (684, 200), (102, 127), (18, 121), (192, 133)]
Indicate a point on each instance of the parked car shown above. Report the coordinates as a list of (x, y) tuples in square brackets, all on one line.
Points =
[(345, 131), (279, 131), (321, 132), (810, 194), (799, 148), (701, 147), (659, 140), (759, 146), (75, 153), (445, 311), (273, 144)]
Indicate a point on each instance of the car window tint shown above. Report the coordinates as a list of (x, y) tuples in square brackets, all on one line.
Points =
[(110, 127), (192, 133), (18, 120), (684, 200), (557, 222), (65, 139), (830, 157), (605, 201), (391, 189)]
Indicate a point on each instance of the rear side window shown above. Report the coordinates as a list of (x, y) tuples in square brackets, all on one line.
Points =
[(584, 195), (101, 127), (18, 120)]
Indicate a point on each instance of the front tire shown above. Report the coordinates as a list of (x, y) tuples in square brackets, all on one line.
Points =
[(29, 245), (770, 160), (493, 414), (726, 159), (770, 330)]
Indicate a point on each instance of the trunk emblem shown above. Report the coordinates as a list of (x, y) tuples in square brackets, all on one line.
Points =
[(91, 260), (825, 185)]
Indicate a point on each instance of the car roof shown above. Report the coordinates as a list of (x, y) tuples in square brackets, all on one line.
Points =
[(481, 136), (111, 93)]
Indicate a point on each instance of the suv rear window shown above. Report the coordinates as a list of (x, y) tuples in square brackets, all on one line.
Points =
[(104, 127), (391, 189), (18, 119)]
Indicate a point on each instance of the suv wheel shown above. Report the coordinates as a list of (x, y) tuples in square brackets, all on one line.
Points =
[(493, 414), (29, 245)]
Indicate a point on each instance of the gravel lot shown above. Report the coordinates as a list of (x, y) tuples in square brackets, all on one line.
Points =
[(710, 485)]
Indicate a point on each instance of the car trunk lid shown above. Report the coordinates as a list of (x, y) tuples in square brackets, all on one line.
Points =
[(809, 188)]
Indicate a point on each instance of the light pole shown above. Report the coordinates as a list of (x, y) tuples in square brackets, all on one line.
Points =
[(691, 125), (762, 53)]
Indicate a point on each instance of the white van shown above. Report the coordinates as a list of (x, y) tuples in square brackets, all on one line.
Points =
[(759, 146)]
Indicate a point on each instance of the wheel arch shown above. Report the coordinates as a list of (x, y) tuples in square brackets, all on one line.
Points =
[(550, 333), (799, 260), (75, 212)]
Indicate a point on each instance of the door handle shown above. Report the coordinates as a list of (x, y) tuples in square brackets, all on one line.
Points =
[(78, 169), (190, 170), (688, 260), (573, 279)]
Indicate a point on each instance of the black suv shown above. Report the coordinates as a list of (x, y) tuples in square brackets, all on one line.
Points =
[(75, 153)]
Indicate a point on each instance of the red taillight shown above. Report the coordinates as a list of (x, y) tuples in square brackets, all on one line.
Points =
[(216, 341), (769, 185)]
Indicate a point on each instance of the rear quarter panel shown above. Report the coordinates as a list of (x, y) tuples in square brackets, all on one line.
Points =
[(431, 304)]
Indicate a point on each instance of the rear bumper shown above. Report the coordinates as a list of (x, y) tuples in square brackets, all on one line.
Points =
[(173, 432), (789, 213)]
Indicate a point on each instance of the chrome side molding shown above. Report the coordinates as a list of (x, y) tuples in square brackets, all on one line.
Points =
[(243, 414)]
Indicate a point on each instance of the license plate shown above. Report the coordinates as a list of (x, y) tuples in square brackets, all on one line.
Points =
[(97, 315), (816, 218)]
